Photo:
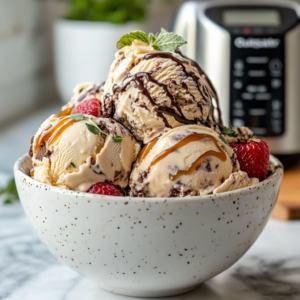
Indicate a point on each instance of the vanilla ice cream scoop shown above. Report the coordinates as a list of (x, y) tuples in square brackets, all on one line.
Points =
[(81, 92), (149, 91), (65, 153), (188, 160)]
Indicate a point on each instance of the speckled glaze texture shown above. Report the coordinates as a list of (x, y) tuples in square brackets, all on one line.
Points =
[(147, 247)]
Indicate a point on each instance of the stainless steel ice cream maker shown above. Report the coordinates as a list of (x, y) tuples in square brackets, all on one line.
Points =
[(251, 52)]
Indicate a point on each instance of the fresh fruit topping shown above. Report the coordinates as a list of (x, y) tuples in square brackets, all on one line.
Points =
[(89, 107), (253, 157), (102, 188)]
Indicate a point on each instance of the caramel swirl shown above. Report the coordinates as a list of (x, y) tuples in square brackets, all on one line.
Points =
[(52, 132), (65, 112), (188, 139), (147, 148)]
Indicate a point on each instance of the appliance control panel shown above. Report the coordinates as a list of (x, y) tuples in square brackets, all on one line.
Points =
[(257, 84), (257, 64)]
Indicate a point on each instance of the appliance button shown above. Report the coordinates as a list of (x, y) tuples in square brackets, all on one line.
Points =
[(238, 73), (238, 104), (276, 123), (277, 129), (238, 64), (238, 112), (276, 114), (251, 88), (263, 96), (257, 73), (238, 122), (276, 104), (276, 73), (246, 30), (257, 30), (275, 64), (257, 59), (259, 130), (257, 111), (276, 83), (247, 96), (237, 84), (261, 88)]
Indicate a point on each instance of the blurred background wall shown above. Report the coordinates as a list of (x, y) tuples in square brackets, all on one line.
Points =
[(27, 60), (27, 77)]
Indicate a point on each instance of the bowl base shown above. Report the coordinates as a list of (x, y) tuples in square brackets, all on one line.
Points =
[(148, 293)]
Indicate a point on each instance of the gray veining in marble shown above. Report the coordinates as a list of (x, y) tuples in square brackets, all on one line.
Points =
[(269, 271)]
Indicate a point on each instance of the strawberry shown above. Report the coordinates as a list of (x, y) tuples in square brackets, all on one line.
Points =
[(102, 188), (253, 156), (89, 107)]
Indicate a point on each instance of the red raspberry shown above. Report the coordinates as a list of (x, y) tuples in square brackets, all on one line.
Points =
[(102, 188), (89, 107), (253, 158)]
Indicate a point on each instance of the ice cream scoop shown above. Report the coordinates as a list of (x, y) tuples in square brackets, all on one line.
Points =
[(236, 180), (66, 153), (83, 91), (188, 160), (149, 91)]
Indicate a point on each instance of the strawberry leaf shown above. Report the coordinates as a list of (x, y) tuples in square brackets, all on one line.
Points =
[(229, 132), (221, 137)]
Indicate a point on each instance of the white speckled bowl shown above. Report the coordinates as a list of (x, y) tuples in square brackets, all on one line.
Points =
[(147, 246)]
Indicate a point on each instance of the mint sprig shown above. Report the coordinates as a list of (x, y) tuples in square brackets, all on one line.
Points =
[(163, 41), (73, 165)]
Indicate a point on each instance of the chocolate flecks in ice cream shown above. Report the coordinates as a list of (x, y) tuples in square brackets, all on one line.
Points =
[(96, 157), (156, 130), (151, 91)]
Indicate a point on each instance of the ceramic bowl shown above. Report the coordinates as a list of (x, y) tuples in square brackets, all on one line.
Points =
[(147, 247)]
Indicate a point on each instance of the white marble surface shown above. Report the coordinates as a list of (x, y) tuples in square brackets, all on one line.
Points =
[(270, 270)]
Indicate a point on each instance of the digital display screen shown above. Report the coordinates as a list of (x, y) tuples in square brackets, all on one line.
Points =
[(251, 17)]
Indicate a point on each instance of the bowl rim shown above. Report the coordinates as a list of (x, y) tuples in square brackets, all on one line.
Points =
[(278, 173)]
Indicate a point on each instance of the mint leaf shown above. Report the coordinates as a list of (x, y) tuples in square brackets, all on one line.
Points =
[(93, 129), (168, 41), (127, 39), (77, 117), (152, 39), (223, 139), (229, 132), (117, 139), (73, 165)]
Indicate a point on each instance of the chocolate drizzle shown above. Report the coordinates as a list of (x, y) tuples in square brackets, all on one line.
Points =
[(137, 79), (204, 93), (91, 90)]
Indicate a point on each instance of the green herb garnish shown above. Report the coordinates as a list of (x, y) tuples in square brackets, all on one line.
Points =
[(78, 117), (221, 137), (10, 191), (93, 129), (229, 132), (73, 165), (163, 41), (118, 139)]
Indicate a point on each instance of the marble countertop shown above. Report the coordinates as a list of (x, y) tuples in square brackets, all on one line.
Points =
[(270, 270)]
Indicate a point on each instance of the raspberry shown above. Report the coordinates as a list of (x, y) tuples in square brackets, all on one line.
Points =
[(102, 188), (89, 107), (253, 158)]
